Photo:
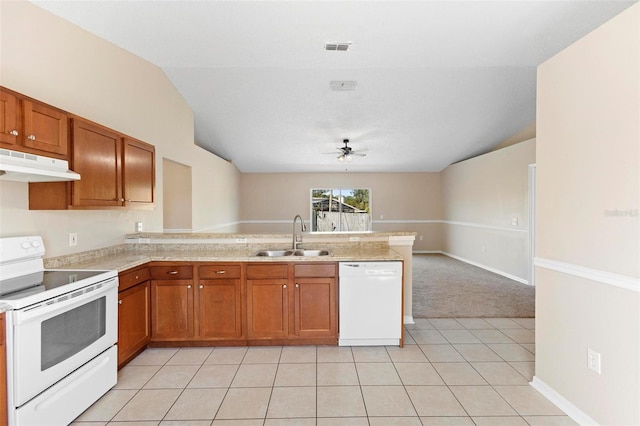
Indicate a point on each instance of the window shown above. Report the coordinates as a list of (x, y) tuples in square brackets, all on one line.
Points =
[(340, 210)]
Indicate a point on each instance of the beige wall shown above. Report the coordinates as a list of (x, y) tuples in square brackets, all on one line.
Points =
[(480, 197), (56, 62), (587, 260), (177, 192), (405, 201)]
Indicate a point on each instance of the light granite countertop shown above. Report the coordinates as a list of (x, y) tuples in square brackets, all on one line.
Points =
[(141, 248), (127, 259)]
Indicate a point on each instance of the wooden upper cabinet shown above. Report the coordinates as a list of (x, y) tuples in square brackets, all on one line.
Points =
[(9, 131), (116, 171), (138, 172), (31, 126), (97, 156), (45, 128)]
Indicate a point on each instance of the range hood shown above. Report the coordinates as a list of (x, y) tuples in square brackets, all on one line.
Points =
[(22, 167)]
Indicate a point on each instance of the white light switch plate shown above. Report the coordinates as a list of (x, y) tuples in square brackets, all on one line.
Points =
[(594, 361)]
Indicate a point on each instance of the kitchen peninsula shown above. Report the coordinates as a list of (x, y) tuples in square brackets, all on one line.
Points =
[(211, 289)]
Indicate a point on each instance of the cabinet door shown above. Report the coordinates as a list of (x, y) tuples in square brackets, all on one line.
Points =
[(267, 309), (138, 172), (220, 310), (45, 128), (171, 309), (315, 307), (8, 119), (134, 329), (97, 157)]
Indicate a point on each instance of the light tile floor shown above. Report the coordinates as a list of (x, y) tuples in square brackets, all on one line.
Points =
[(467, 371)]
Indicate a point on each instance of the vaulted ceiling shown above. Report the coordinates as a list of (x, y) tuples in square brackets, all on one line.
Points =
[(436, 81)]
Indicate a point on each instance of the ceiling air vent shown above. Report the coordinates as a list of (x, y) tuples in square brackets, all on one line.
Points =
[(342, 85), (337, 47)]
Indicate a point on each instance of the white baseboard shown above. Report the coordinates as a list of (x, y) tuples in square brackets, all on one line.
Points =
[(408, 319), (488, 268), (562, 403), (427, 252)]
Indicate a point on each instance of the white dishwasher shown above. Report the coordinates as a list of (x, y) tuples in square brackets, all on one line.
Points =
[(370, 299)]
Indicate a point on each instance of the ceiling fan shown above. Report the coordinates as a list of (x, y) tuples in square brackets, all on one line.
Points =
[(346, 152)]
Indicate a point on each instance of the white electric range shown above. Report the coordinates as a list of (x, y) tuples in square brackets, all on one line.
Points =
[(61, 333)]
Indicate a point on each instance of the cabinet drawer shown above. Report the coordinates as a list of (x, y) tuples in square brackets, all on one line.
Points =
[(171, 272), (128, 279), (315, 270), (219, 271), (266, 271)]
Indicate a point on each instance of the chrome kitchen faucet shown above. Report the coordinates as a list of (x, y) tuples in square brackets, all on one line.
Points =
[(297, 239)]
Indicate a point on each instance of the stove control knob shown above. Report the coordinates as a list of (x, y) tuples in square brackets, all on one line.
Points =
[(35, 244), (26, 245)]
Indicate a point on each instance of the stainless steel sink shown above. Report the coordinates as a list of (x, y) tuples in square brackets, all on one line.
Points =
[(273, 253), (303, 252), (298, 252)]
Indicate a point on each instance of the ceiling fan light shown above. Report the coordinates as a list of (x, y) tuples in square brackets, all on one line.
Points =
[(341, 158), (348, 157)]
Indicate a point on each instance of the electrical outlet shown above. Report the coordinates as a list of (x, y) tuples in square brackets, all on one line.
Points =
[(138, 226), (514, 221), (381, 216), (73, 239), (594, 361), (421, 238), (484, 249)]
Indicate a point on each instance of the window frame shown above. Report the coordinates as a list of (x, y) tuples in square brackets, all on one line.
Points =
[(341, 189)]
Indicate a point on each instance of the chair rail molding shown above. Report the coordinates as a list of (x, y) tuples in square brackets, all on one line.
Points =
[(604, 277)]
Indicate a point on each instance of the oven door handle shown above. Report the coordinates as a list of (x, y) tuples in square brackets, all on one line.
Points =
[(47, 309)]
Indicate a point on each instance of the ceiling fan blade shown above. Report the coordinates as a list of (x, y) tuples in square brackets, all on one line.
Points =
[(359, 154)]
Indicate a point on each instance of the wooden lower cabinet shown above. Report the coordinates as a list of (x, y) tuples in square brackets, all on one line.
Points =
[(134, 316), (292, 302), (268, 309), (198, 307), (243, 303), (172, 309), (220, 297), (134, 330), (315, 307)]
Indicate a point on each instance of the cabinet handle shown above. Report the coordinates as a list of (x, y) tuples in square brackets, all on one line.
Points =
[(31, 137), (189, 286), (119, 302), (284, 286), (297, 286), (136, 277), (201, 286), (221, 272), (14, 133), (172, 272), (121, 199)]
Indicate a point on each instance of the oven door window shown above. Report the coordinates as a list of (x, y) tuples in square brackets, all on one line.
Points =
[(70, 332)]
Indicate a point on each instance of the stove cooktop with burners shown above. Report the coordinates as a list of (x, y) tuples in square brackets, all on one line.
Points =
[(24, 281)]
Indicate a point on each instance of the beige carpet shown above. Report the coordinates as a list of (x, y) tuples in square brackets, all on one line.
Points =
[(448, 288)]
